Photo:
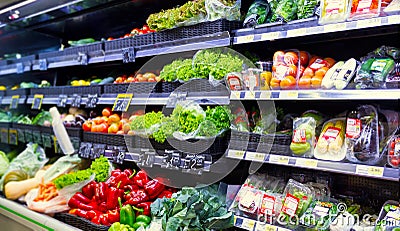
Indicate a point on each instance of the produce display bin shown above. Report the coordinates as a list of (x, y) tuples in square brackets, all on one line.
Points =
[(82, 90), (120, 88), (103, 138), (116, 45), (79, 222), (20, 92), (201, 29)]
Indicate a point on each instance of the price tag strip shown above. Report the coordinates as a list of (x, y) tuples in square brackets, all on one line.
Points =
[(369, 170), (255, 156), (76, 100), (296, 32), (307, 163), (92, 101), (276, 159), (270, 36), (62, 100), (13, 136), (245, 39), (37, 101), (14, 102), (372, 22), (236, 154), (21, 135), (244, 223), (122, 102)]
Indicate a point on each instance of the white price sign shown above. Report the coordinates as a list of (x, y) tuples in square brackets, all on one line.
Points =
[(255, 156)]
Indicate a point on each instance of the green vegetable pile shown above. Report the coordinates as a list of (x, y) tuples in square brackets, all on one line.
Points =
[(212, 62), (193, 209), (120, 227), (169, 125), (9, 117), (189, 120), (100, 167), (42, 119)]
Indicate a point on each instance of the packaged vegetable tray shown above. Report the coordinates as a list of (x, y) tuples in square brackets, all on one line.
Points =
[(270, 207), (393, 151), (319, 216), (362, 9), (297, 199), (285, 70), (389, 217), (333, 11), (303, 140), (331, 143)]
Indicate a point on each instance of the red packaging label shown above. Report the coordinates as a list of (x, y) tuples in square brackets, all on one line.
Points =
[(281, 71), (318, 64), (331, 133), (353, 128), (290, 205), (334, 6), (299, 136), (364, 6), (267, 205)]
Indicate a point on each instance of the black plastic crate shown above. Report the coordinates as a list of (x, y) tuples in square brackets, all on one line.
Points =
[(24, 126), (5, 125), (82, 90), (93, 49), (75, 132), (2, 93), (133, 141), (47, 91), (168, 87), (120, 88), (79, 222), (47, 130), (117, 45), (201, 29), (143, 39), (56, 56), (203, 86), (20, 92), (103, 138)]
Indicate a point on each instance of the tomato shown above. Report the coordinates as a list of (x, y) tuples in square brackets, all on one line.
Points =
[(278, 57), (275, 84), (87, 126), (130, 79), (291, 58), (394, 161), (119, 80), (127, 35), (289, 82), (135, 31), (102, 128), (392, 144), (114, 118), (322, 71), (98, 120), (94, 128), (391, 152), (305, 82), (106, 112), (308, 71), (146, 28), (113, 128), (292, 70), (330, 62), (304, 58), (316, 82), (110, 38)]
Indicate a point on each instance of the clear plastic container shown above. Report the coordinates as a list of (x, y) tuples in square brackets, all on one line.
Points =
[(362, 9), (333, 11), (250, 200), (393, 151), (285, 70), (389, 216), (297, 199), (331, 142), (321, 191), (303, 139), (270, 206), (319, 216), (362, 138)]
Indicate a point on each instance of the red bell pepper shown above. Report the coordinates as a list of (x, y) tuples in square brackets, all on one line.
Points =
[(131, 187), (102, 207), (89, 215), (136, 197), (122, 178), (112, 197), (140, 179), (165, 193), (81, 202), (113, 216), (96, 219), (104, 219), (143, 208), (89, 189), (101, 192), (154, 188)]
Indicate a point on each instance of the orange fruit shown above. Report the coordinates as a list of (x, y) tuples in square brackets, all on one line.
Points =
[(330, 61), (316, 82), (305, 82), (289, 82), (322, 71), (292, 70), (275, 84)]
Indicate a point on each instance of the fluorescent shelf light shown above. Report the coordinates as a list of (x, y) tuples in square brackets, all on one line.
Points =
[(21, 4)]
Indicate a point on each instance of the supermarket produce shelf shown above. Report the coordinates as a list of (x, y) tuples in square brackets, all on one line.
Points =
[(253, 225), (384, 173), (379, 94), (6, 100), (31, 219), (298, 30)]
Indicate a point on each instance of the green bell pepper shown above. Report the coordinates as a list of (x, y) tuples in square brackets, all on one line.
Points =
[(127, 215), (139, 224), (143, 218)]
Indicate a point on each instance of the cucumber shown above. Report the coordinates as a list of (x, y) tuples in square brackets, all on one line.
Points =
[(95, 81), (327, 81), (107, 80), (81, 42), (346, 74)]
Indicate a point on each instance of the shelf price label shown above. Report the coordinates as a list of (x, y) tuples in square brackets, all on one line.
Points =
[(46, 140), (372, 22), (244, 223), (296, 32), (85, 150), (236, 154), (62, 100), (265, 227), (308, 163), (249, 95), (288, 94), (20, 68), (235, 94), (270, 36), (245, 39), (4, 135), (13, 136), (92, 101), (42, 64), (334, 27), (128, 55), (28, 136), (122, 102), (265, 95), (14, 102), (369, 170), (394, 19), (76, 100), (255, 156), (37, 101), (275, 159), (21, 135), (98, 150)]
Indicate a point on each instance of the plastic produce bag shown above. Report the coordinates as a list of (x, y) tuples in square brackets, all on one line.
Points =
[(362, 138), (303, 139), (285, 70), (331, 145), (307, 8), (257, 13), (30, 160), (361, 9), (286, 10), (333, 11), (217, 9), (319, 215)]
